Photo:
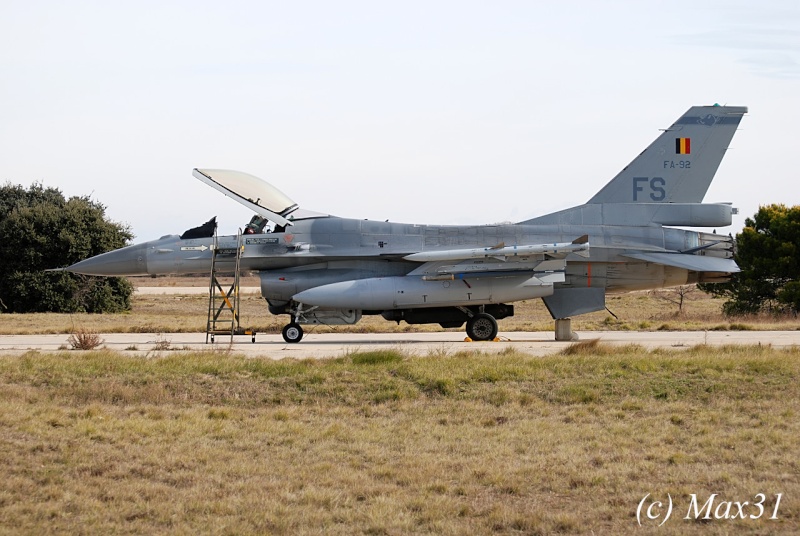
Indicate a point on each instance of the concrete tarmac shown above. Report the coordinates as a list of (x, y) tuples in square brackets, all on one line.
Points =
[(329, 345)]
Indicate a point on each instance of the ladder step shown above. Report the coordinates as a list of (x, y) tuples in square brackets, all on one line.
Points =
[(223, 298)]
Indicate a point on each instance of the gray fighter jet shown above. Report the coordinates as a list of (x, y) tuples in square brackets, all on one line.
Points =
[(321, 269)]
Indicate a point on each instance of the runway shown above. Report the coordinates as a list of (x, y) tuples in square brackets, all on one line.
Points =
[(331, 345)]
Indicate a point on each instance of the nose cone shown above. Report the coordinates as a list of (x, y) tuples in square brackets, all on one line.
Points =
[(131, 260)]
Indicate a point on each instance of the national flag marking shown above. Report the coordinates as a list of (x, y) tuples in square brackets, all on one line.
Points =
[(683, 145)]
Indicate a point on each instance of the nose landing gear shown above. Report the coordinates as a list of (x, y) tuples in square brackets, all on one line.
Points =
[(292, 332)]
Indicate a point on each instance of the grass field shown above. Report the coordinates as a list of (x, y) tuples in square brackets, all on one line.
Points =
[(385, 443), (388, 443)]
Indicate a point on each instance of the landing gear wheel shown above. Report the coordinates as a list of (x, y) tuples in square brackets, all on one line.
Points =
[(292, 333), (482, 327)]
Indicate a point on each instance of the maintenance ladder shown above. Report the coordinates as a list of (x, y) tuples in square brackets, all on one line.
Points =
[(223, 306)]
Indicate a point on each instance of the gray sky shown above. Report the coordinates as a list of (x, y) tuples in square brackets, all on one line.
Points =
[(450, 112)]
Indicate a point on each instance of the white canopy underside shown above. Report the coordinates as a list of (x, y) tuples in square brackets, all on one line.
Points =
[(252, 192)]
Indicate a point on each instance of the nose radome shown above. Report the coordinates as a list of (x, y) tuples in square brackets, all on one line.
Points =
[(131, 260)]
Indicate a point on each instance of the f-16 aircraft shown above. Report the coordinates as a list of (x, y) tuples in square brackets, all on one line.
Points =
[(321, 269)]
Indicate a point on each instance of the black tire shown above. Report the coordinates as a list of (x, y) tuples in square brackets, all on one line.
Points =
[(482, 327), (292, 333)]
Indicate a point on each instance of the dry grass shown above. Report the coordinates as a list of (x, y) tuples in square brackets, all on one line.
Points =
[(641, 311), (385, 443)]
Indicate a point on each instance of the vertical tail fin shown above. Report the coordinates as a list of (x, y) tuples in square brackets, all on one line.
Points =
[(679, 165)]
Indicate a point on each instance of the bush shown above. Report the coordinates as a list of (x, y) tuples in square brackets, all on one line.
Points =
[(40, 230), (84, 339)]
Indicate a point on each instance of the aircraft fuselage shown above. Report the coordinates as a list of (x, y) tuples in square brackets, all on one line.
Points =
[(326, 250)]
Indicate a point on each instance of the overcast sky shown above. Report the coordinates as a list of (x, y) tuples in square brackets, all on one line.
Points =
[(450, 112)]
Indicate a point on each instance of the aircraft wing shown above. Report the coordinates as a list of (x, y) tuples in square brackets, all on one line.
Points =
[(695, 263)]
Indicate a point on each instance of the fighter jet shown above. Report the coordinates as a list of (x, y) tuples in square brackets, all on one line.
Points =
[(321, 269)]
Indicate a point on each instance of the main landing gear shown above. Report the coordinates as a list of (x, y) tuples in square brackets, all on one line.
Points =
[(482, 327)]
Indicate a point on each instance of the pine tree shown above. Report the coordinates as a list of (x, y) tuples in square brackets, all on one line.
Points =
[(768, 253)]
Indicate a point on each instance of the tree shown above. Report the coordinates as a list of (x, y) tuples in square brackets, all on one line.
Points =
[(40, 229), (676, 295), (767, 252)]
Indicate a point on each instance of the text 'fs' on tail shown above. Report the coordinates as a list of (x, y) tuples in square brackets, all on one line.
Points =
[(680, 164)]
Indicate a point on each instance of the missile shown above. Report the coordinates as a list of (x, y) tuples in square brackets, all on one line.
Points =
[(579, 246)]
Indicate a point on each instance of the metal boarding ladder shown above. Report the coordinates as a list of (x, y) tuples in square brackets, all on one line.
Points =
[(221, 301)]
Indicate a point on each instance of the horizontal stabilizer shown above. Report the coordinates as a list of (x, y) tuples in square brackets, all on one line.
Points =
[(695, 263)]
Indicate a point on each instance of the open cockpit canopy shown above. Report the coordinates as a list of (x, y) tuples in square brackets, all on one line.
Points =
[(252, 192)]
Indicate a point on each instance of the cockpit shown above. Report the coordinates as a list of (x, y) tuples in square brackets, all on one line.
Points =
[(256, 225)]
